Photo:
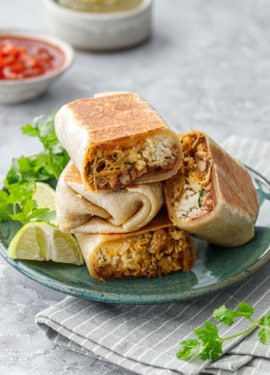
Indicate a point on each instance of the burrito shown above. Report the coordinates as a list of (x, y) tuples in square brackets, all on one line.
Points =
[(212, 196), (123, 210), (117, 139), (158, 249)]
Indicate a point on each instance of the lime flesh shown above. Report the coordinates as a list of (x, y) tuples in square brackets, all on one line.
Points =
[(43, 242)]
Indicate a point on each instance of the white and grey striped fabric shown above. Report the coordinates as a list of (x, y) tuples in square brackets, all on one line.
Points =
[(144, 339)]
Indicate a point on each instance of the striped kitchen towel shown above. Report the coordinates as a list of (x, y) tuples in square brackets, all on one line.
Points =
[(144, 339)]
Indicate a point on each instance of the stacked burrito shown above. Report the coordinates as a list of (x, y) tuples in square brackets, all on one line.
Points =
[(110, 195), (134, 192)]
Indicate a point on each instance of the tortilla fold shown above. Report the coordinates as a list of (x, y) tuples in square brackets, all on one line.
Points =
[(123, 210), (157, 249), (116, 140), (212, 196)]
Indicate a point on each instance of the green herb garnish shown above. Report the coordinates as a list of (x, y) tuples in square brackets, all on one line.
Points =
[(16, 201), (45, 166), (209, 343), (17, 204), (201, 194)]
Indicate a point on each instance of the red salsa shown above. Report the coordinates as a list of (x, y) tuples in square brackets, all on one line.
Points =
[(22, 57)]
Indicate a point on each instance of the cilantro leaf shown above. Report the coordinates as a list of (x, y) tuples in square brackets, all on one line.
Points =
[(17, 204), (20, 192), (4, 206), (224, 315), (209, 342), (16, 201), (245, 309), (29, 213), (189, 349), (45, 166), (227, 316), (43, 130), (264, 332)]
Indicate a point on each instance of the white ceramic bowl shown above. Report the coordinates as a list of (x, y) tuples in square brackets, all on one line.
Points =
[(19, 90), (99, 31)]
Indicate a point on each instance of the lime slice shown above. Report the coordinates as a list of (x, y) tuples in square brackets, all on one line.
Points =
[(44, 196), (42, 241)]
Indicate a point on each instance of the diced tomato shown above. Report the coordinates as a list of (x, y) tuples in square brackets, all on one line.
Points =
[(17, 67), (8, 60), (30, 61), (9, 74), (25, 58)]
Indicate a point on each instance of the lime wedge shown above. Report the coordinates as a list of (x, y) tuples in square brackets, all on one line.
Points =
[(44, 196), (42, 241)]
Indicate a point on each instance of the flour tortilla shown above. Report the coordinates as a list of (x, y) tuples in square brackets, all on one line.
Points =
[(117, 256), (124, 210), (119, 126), (232, 219)]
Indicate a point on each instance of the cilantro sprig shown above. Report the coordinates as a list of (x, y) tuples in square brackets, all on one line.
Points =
[(16, 199), (46, 165), (17, 204), (208, 344)]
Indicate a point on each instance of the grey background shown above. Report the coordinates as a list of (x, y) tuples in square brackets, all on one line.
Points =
[(207, 66)]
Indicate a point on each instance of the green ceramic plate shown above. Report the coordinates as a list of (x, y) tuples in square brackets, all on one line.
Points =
[(215, 269)]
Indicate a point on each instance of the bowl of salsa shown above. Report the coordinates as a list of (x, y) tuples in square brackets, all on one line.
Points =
[(29, 63)]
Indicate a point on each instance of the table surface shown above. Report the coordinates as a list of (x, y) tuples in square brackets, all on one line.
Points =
[(205, 67)]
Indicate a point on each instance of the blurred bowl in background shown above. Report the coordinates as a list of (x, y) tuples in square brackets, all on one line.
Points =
[(30, 63), (99, 31)]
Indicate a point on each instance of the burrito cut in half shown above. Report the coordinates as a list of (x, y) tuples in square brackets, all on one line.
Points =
[(212, 196), (123, 210), (117, 139), (157, 249)]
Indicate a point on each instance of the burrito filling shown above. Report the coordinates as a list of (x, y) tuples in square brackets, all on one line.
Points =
[(193, 197), (150, 254), (118, 166)]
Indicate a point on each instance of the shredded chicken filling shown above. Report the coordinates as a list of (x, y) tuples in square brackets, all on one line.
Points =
[(150, 254), (193, 197), (120, 166)]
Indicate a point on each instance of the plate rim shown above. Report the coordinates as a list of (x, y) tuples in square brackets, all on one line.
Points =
[(113, 297)]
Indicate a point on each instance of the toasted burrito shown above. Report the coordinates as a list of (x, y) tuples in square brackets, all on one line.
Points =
[(157, 249), (212, 196), (117, 139), (123, 210)]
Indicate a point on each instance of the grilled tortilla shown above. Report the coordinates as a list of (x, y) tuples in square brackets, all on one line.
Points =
[(123, 210), (117, 139), (157, 249), (212, 196)]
